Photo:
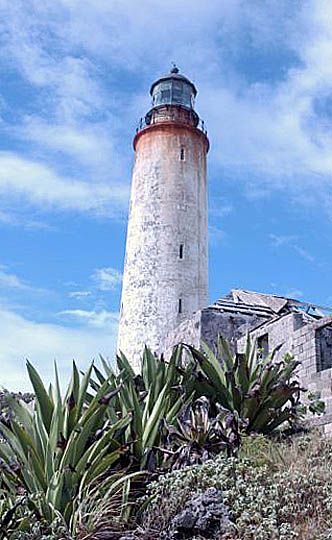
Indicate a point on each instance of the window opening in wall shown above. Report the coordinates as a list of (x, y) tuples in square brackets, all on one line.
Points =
[(323, 340), (240, 357), (263, 346), (182, 154), (180, 305), (181, 251)]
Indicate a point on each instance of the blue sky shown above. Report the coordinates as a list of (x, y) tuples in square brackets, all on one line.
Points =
[(74, 81)]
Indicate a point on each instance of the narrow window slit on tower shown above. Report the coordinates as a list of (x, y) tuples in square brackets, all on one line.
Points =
[(180, 305), (182, 154), (181, 251)]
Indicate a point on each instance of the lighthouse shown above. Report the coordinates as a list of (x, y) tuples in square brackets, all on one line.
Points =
[(166, 263)]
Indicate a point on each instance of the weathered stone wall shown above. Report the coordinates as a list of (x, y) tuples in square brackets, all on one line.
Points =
[(320, 383), (230, 326), (206, 325), (309, 344), (168, 207), (304, 350), (280, 333)]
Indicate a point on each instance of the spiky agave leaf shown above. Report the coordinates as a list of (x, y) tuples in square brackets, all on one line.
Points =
[(198, 435), (158, 392), (62, 444), (262, 392)]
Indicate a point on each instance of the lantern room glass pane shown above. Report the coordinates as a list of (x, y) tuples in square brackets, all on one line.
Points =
[(165, 96), (173, 92)]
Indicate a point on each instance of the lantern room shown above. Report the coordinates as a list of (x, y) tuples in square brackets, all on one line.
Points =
[(173, 89)]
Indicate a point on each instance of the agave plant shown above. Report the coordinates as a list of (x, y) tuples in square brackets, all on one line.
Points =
[(61, 445), (155, 395), (5, 410), (198, 436), (263, 392), (21, 518)]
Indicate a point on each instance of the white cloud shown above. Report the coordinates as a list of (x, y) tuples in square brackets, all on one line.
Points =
[(29, 45), (39, 185), (216, 235), (8, 280), (263, 131), (43, 343), (99, 319), (287, 292), (79, 295), (15, 220), (292, 242), (219, 208), (278, 240), (296, 294), (11, 281), (270, 130), (107, 279), (89, 144), (116, 31), (304, 253), (73, 118)]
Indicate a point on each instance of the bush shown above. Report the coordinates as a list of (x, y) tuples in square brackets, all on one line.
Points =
[(276, 495)]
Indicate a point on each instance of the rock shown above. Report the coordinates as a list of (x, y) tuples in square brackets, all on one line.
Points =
[(204, 515)]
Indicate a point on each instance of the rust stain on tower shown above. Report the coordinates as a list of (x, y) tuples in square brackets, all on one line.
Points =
[(166, 265)]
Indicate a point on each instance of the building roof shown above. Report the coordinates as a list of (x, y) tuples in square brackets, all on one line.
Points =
[(267, 306)]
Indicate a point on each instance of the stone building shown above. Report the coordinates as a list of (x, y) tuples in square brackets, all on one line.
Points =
[(299, 328)]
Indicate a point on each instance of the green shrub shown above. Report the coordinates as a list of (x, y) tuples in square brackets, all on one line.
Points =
[(289, 498)]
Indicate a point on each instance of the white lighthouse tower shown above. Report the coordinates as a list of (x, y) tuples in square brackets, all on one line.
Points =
[(166, 265)]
